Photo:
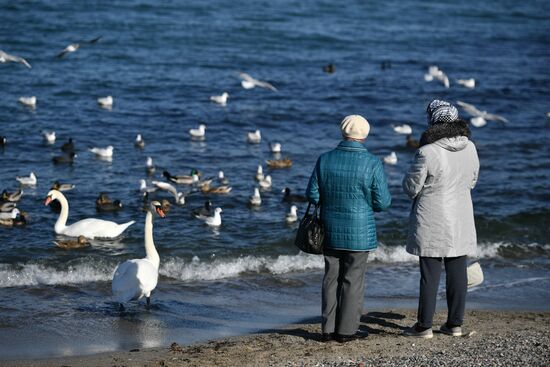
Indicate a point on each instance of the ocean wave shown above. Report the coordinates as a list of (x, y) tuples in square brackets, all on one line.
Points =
[(38, 274), (183, 269)]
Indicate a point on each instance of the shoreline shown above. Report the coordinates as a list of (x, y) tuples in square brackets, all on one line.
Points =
[(499, 338)]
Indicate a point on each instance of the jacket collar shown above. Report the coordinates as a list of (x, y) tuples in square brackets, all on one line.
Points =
[(351, 145)]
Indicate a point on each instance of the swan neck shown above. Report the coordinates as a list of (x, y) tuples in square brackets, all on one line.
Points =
[(150, 250), (61, 223)]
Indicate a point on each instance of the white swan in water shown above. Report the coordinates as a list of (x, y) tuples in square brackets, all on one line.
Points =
[(137, 278), (90, 228)]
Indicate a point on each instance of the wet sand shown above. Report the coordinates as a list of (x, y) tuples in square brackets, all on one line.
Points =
[(498, 338)]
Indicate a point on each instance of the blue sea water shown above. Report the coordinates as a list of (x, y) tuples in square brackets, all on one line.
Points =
[(161, 61)]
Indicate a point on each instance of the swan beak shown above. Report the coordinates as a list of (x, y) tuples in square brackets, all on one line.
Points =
[(160, 212), (48, 200)]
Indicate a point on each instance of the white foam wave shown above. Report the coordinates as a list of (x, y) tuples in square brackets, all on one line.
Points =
[(31, 274), (36, 274), (178, 268)]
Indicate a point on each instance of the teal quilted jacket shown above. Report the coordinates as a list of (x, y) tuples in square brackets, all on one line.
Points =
[(350, 184)]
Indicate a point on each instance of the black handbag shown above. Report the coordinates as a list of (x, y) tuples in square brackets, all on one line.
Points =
[(311, 233)]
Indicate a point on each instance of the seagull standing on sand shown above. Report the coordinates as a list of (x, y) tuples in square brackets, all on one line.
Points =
[(468, 83), (49, 136), (198, 133), (221, 100), (103, 152), (27, 180), (254, 137), (105, 102), (403, 129), (479, 118), (249, 82), (28, 101), (391, 159), (435, 72), (5, 58)]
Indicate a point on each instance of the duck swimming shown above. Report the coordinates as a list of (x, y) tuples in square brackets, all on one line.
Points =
[(64, 159), (279, 163), (71, 244), (104, 204), (292, 198), (203, 211)]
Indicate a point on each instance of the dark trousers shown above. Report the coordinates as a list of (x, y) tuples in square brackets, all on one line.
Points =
[(343, 291), (456, 287)]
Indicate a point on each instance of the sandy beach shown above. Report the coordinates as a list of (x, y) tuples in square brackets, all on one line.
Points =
[(496, 338)]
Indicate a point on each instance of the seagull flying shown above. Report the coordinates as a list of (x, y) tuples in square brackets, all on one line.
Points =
[(435, 72), (75, 46), (249, 82), (479, 117), (5, 58)]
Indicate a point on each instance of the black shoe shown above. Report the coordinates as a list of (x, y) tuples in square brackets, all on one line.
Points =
[(348, 338), (327, 337)]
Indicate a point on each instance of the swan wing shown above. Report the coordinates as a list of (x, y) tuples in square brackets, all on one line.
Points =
[(96, 228), (134, 279), (125, 285)]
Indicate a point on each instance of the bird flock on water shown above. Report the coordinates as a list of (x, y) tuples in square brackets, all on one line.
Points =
[(137, 278)]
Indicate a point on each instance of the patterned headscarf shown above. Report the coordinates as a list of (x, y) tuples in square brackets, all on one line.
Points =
[(441, 112)]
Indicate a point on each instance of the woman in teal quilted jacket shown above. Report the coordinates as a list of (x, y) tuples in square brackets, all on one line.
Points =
[(350, 185)]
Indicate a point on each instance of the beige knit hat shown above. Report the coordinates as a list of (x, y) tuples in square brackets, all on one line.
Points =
[(355, 127)]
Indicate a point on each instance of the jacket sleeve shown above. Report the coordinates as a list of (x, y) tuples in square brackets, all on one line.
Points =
[(416, 176), (476, 169), (381, 197), (312, 192)]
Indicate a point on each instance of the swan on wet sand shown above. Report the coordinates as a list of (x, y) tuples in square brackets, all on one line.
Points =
[(137, 278), (90, 228)]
